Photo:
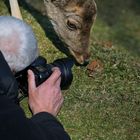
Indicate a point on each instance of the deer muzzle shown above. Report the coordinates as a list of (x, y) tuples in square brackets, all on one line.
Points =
[(81, 58)]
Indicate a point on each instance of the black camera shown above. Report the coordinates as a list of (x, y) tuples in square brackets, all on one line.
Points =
[(42, 71)]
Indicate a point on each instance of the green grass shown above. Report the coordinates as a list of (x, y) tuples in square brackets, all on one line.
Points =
[(107, 105)]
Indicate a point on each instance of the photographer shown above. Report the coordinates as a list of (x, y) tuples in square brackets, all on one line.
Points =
[(45, 100)]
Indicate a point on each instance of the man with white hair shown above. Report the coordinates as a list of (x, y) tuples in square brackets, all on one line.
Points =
[(18, 47), (17, 43)]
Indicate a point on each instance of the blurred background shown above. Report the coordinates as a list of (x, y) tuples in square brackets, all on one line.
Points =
[(122, 20), (103, 102)]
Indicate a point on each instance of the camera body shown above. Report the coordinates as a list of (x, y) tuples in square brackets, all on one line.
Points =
[(42, 71)]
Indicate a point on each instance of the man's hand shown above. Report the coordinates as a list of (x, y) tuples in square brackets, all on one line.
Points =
[(47, 97)]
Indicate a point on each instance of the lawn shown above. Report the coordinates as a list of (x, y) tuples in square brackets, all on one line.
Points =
[(104, 105)]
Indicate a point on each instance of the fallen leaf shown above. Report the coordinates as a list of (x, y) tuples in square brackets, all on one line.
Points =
[(96, 66)]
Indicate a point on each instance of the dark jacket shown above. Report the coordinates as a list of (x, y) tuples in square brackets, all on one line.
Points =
[(15, 126), (13, 123)]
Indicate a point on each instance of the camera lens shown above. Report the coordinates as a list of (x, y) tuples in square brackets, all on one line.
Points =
[(65, 65), (42, 71)]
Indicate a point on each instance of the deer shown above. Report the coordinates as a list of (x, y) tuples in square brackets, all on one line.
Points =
[(72, 21)]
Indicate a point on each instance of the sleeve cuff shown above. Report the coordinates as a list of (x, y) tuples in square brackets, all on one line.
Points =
[(45, 117)]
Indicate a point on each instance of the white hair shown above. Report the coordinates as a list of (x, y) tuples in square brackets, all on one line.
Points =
[(17, 43)]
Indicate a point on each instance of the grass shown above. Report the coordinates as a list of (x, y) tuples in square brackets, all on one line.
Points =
[(105, 106)]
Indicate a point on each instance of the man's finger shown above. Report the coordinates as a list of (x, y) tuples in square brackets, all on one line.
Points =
[(58, 82), (31, 80), (55, 76)]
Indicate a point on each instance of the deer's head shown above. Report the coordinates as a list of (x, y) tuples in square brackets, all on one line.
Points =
[(72, 21)]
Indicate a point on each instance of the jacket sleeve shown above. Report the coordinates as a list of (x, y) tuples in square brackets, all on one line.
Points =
[(52, 128), (8, 84), (15, 125)]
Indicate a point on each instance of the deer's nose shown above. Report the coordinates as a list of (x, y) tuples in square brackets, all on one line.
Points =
[(86, 57), (86, 62), (82, 59)]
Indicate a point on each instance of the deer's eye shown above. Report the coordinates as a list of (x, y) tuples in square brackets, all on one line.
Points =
[(71, 25)]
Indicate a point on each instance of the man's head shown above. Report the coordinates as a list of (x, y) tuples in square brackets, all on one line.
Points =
[(17, 43)]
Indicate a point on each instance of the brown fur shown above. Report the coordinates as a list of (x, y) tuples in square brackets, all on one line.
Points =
[(72, 20)]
